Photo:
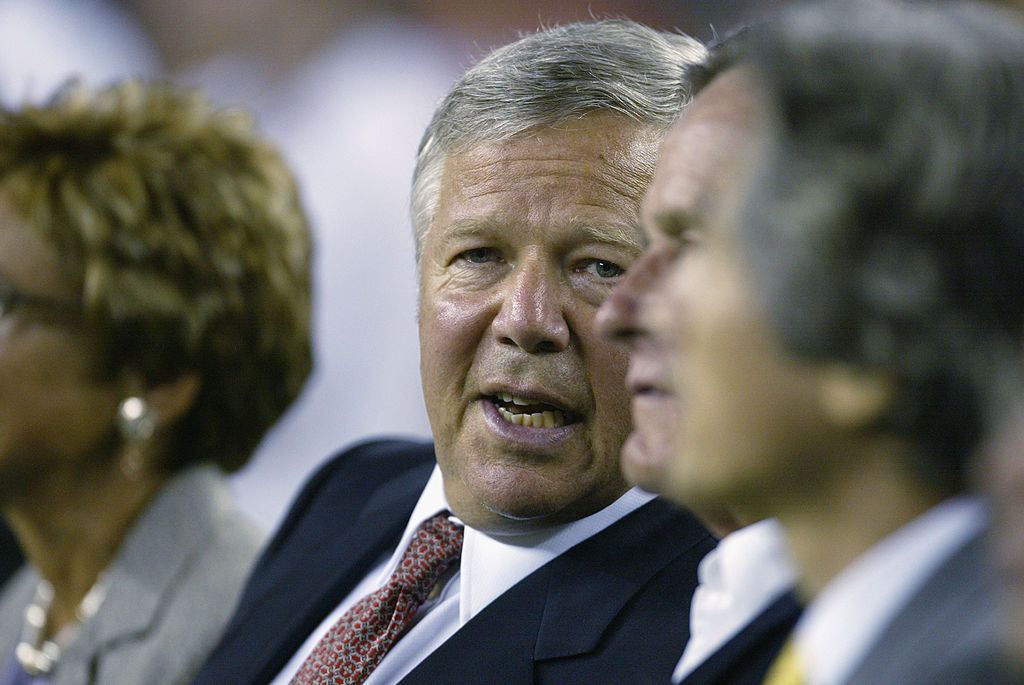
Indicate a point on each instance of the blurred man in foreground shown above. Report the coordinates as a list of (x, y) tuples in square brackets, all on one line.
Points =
[(742, 610), (858, 326)]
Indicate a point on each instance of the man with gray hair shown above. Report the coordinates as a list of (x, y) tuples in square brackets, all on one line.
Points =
[(511, 550), (859, 333)]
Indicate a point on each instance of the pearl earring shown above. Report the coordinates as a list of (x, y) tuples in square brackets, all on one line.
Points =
[(136, 421)]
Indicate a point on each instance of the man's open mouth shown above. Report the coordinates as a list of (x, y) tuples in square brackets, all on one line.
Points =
[(530, 413)]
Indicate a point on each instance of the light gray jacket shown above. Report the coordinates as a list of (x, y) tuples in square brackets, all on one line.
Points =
[(949, 632), (172, 587)]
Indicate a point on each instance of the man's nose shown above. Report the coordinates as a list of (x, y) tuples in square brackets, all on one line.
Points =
[(532, 315), (618, 318)]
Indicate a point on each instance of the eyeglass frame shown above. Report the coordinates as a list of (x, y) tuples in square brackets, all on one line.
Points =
[(11, 299)]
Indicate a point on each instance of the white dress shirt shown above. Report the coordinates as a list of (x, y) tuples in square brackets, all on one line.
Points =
[(839, 627), (746, 572), (490, 565)]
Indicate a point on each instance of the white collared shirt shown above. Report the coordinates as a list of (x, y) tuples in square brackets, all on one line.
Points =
[(490, 565), (839, 627), (748, 570)]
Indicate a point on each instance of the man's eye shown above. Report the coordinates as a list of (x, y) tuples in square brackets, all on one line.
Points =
[(480, 255), (692, 238), (604, 269)]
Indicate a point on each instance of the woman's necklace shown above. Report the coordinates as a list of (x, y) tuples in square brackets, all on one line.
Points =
[(38, 656)]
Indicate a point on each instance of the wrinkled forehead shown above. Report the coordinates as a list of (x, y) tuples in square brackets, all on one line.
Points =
[(612, 143), (594, 169)]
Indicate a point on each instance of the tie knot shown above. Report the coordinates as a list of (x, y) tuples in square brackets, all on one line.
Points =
[(350, 650), (435, 545), (438, 531)]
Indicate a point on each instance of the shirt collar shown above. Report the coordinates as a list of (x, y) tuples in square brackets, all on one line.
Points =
[(850, 614), (750, 563), (432, 501), (491, 564), (738, 579)]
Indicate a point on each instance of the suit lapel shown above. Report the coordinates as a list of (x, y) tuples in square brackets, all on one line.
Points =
[(745, 658), (598, 577), (343, 542), (495, 646), (952, 618), (557, 617)]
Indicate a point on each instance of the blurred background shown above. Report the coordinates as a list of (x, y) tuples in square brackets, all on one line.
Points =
[(345, 89)]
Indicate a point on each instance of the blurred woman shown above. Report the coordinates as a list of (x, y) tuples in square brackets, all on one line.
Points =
[(154, 323)]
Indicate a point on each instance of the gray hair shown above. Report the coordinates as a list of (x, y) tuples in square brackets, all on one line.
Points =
[(887, 225), (559, 73)]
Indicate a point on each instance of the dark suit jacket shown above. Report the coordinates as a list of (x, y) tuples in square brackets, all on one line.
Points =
[(746, 657), (614, 608)]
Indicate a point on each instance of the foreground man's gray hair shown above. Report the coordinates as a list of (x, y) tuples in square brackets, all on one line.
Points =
[(886, 226)]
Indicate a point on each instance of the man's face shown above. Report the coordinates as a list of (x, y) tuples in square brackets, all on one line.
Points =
[(750, 415), (526, 401), (693, 171)]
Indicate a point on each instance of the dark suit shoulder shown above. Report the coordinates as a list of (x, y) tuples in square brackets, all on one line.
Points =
[(744, 659), (612, 609), (349, 514), (345, 482)]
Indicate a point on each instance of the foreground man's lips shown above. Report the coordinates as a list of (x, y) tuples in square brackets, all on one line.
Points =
[(641, 388)]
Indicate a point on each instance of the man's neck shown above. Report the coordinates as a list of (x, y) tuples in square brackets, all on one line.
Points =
[(844, 521)]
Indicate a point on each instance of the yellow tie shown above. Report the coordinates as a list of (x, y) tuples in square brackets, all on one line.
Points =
[(786, 669)]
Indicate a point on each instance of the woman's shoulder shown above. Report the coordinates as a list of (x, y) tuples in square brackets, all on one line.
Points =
[(177, 580)]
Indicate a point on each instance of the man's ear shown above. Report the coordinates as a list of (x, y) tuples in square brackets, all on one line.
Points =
[(855, 399)]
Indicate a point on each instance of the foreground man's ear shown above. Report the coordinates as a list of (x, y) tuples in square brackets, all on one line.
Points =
[(854, 399)]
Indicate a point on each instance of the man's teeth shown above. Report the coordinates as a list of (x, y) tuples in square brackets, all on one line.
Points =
[(542, 419)]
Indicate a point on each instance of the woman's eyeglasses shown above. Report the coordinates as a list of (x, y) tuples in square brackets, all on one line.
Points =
[(12, 299)]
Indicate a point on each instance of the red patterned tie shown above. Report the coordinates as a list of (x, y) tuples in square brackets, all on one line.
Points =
[(363, 635)]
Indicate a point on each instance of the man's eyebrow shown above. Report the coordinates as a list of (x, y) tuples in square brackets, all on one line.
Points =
[(465, 229), (582, 231), (674, 223), (623, 235)]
